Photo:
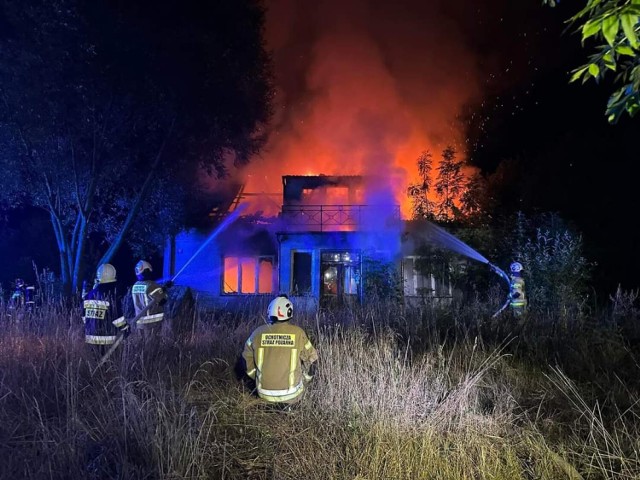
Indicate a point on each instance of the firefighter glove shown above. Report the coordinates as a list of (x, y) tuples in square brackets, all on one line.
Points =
[(310, 373), (125, 330)]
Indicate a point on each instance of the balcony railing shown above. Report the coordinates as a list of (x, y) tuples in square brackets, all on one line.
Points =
[(330, 218)]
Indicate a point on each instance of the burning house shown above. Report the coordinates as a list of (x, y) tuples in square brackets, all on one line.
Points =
[(318, 249)]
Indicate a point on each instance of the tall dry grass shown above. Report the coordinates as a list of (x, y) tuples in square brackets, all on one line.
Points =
[(433, 393)]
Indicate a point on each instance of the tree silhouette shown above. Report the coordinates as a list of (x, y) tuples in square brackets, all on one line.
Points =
[(103, 105), (473, 199), (419, 192), (449, 185)]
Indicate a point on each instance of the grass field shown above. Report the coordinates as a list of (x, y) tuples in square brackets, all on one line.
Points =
[(425, 393)]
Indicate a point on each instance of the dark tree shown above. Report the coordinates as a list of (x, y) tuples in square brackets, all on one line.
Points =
[(108, 111), (419, 192), (449, 184), (474, 197)]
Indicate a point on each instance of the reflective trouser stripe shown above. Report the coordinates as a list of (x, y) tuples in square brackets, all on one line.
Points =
[(151, 318), (307, 377), (292, 366), (281, 395), (100, 339), (519, 303), (259, 361), (156, 290), (252, 373), (119, 322)]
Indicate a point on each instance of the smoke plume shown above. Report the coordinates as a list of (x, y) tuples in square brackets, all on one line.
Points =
[(363, 87)]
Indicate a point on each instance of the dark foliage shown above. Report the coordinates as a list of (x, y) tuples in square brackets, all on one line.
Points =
[(108, 112)]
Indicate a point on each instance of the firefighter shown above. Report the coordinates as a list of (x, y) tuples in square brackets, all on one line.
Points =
[(17, 299), (23, 296), (103, 319), (279, 356), (30, 298), (143, 292), (517, 297)]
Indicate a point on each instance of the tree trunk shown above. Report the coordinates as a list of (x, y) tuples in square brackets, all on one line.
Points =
[(81, 242), (63, 251)]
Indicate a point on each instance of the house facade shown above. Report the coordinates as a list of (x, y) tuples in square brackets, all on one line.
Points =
[(316, 250)]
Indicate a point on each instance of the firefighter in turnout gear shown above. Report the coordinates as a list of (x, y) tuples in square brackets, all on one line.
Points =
[(518, 299), (23, 297), (102, 316), (145, 291), (279, 356)]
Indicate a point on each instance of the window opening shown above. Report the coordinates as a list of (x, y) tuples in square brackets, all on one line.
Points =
[(301, 278), (247, 275)]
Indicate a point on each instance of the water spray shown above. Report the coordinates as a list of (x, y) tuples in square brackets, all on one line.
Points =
[(440, 237), (225, 223)]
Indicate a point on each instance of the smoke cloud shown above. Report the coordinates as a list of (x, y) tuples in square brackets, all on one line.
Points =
[(362, 88)]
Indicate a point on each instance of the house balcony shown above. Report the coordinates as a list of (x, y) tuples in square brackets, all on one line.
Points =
[(338, 218)]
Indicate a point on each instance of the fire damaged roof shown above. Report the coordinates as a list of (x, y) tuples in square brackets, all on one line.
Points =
[(322, 177), (295, 185)]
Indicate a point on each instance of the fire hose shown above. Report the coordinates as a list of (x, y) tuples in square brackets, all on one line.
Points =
[(226, 222), (501, 273), (121, 335)]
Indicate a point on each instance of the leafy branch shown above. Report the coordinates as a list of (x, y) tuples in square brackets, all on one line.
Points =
[(615, 24)]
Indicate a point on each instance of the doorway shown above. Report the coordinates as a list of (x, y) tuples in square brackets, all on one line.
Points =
[(340, 278)]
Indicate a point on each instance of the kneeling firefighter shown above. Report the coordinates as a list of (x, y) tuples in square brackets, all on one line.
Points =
[(279, 356), (102, 317), (145, 291)]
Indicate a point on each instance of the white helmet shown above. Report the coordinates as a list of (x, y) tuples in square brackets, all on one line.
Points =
[(143, 265), (516, 267), (106, 273), (280, 309)]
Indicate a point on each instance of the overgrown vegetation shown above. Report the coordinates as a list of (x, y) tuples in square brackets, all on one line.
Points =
[(432, 392)]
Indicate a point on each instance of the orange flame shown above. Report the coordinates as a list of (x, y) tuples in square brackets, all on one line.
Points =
[(362, 93)]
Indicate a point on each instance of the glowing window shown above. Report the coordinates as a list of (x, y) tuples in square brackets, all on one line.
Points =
[(230, 275), (337, 196), (247, 275), (265, 275)]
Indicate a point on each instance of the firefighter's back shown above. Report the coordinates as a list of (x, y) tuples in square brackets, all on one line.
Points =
[(277, 350)]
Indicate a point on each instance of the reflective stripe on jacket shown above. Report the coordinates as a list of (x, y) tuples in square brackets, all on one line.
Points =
[(275, 356), (517, 295), (102, 314), (143, 293)]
